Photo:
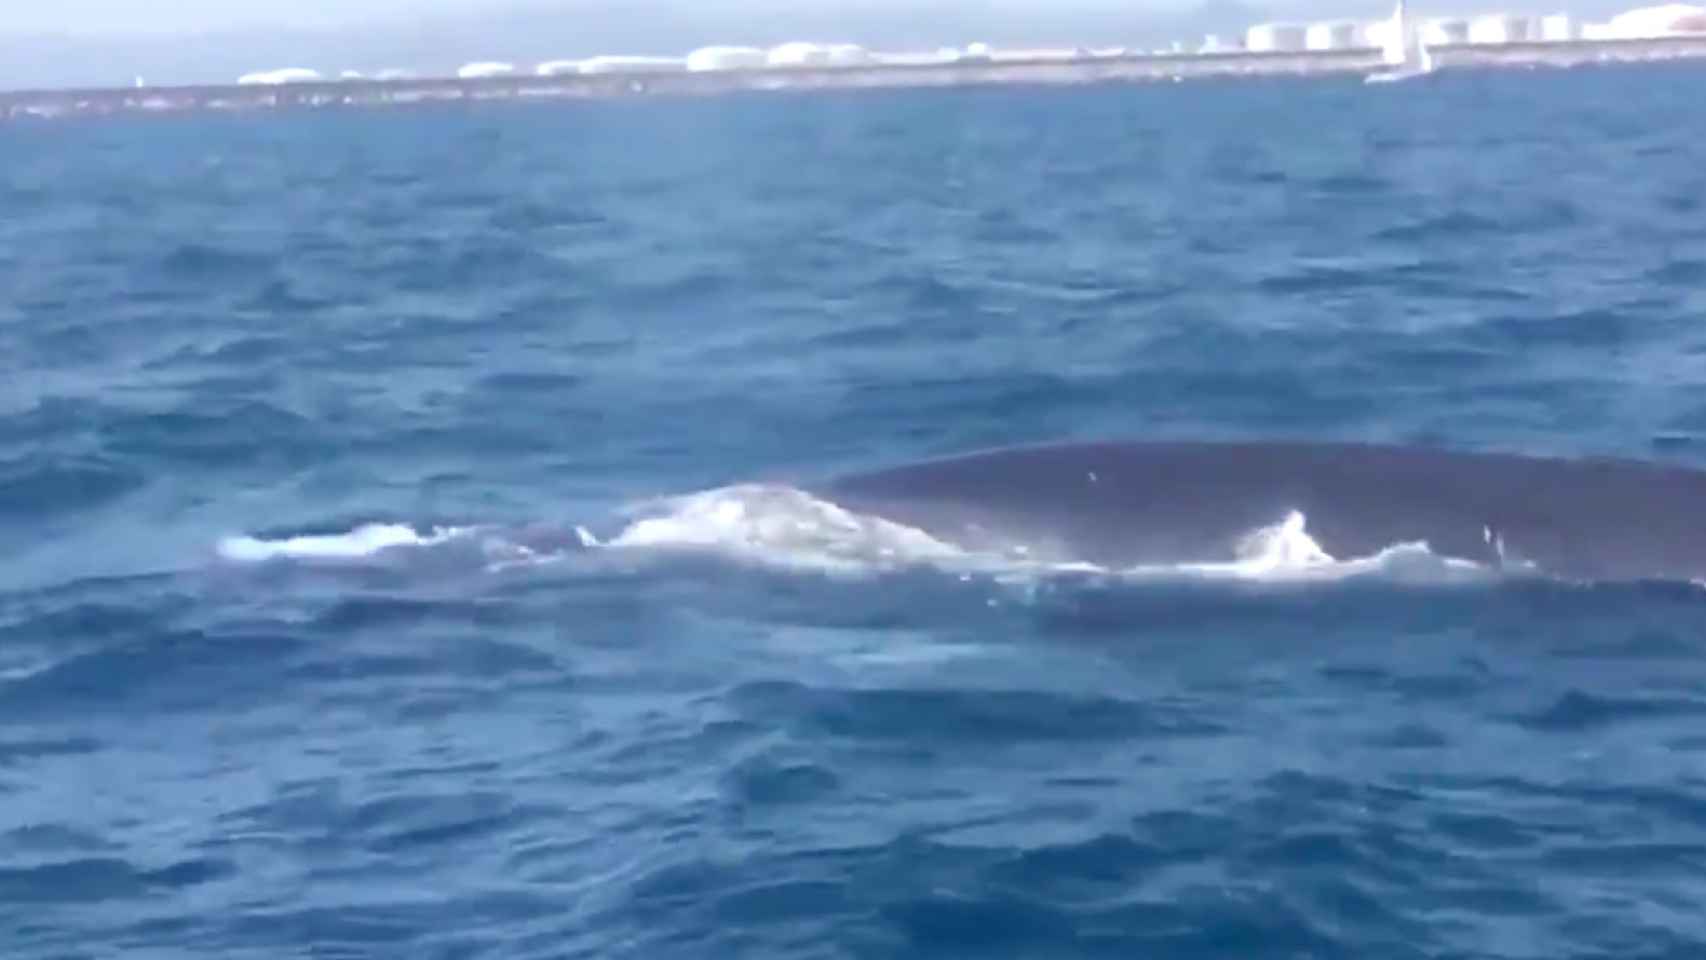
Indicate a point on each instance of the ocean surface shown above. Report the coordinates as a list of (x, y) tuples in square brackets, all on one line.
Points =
[(404, 554)]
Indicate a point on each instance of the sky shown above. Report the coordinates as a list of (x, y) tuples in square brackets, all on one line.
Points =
[(177, 16), (156, 16)]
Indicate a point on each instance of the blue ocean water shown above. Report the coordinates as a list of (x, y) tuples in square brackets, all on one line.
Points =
[(329, 625)]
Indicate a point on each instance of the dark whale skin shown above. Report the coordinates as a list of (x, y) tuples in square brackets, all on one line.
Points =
[(1122, 504)]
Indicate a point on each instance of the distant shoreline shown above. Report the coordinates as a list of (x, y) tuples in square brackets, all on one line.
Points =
[(23, 105)]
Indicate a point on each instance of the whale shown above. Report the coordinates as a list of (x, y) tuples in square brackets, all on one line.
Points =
[(1134, 503)]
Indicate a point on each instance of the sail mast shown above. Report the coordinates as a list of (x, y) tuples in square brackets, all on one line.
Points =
[(1397, 46)]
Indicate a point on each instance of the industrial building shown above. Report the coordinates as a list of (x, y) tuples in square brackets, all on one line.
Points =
[(631, 64), (1497, 28), (1445, 31), (925, 58), (797, 54), (849, 55), (1667, 20), (1332, 35), (484, 68), (706, 59), (800, 54), (1276, 37), (1557, 27), (1044, 55), (286, 75)]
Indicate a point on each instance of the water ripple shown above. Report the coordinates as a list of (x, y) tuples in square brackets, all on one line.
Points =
[(525, 318)]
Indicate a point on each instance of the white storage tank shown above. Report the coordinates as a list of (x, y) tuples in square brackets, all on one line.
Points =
[(1331, 35), (801, 54), (917, 59), (848, 55), (556, 68), (707, 59), (1275, 37), (1558, 26), (1045, 55), (286, 75), (484, 68), (1667, 20), (797, 54), (1496, 28), (624, 64), (1445, 31)]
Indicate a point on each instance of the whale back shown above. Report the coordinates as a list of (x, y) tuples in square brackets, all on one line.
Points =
[(1123, 504)]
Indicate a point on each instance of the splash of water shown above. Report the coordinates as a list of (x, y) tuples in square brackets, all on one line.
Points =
[(364, 541), (783, 526), (780, 526)]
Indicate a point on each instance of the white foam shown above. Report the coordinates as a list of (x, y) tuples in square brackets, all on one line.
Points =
[(780, 525), (787, 527), (784, 527), (1286, 552), (363, 541)]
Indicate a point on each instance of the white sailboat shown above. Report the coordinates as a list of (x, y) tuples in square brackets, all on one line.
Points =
[(1404, 52)]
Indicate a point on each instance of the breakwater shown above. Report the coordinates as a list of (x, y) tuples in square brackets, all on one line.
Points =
[(1086, 69)]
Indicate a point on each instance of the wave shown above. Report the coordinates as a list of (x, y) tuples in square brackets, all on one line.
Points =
[(783, 527)]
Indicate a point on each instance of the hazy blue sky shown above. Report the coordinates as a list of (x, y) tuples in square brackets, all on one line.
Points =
[(103, 16), (107, 16)]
